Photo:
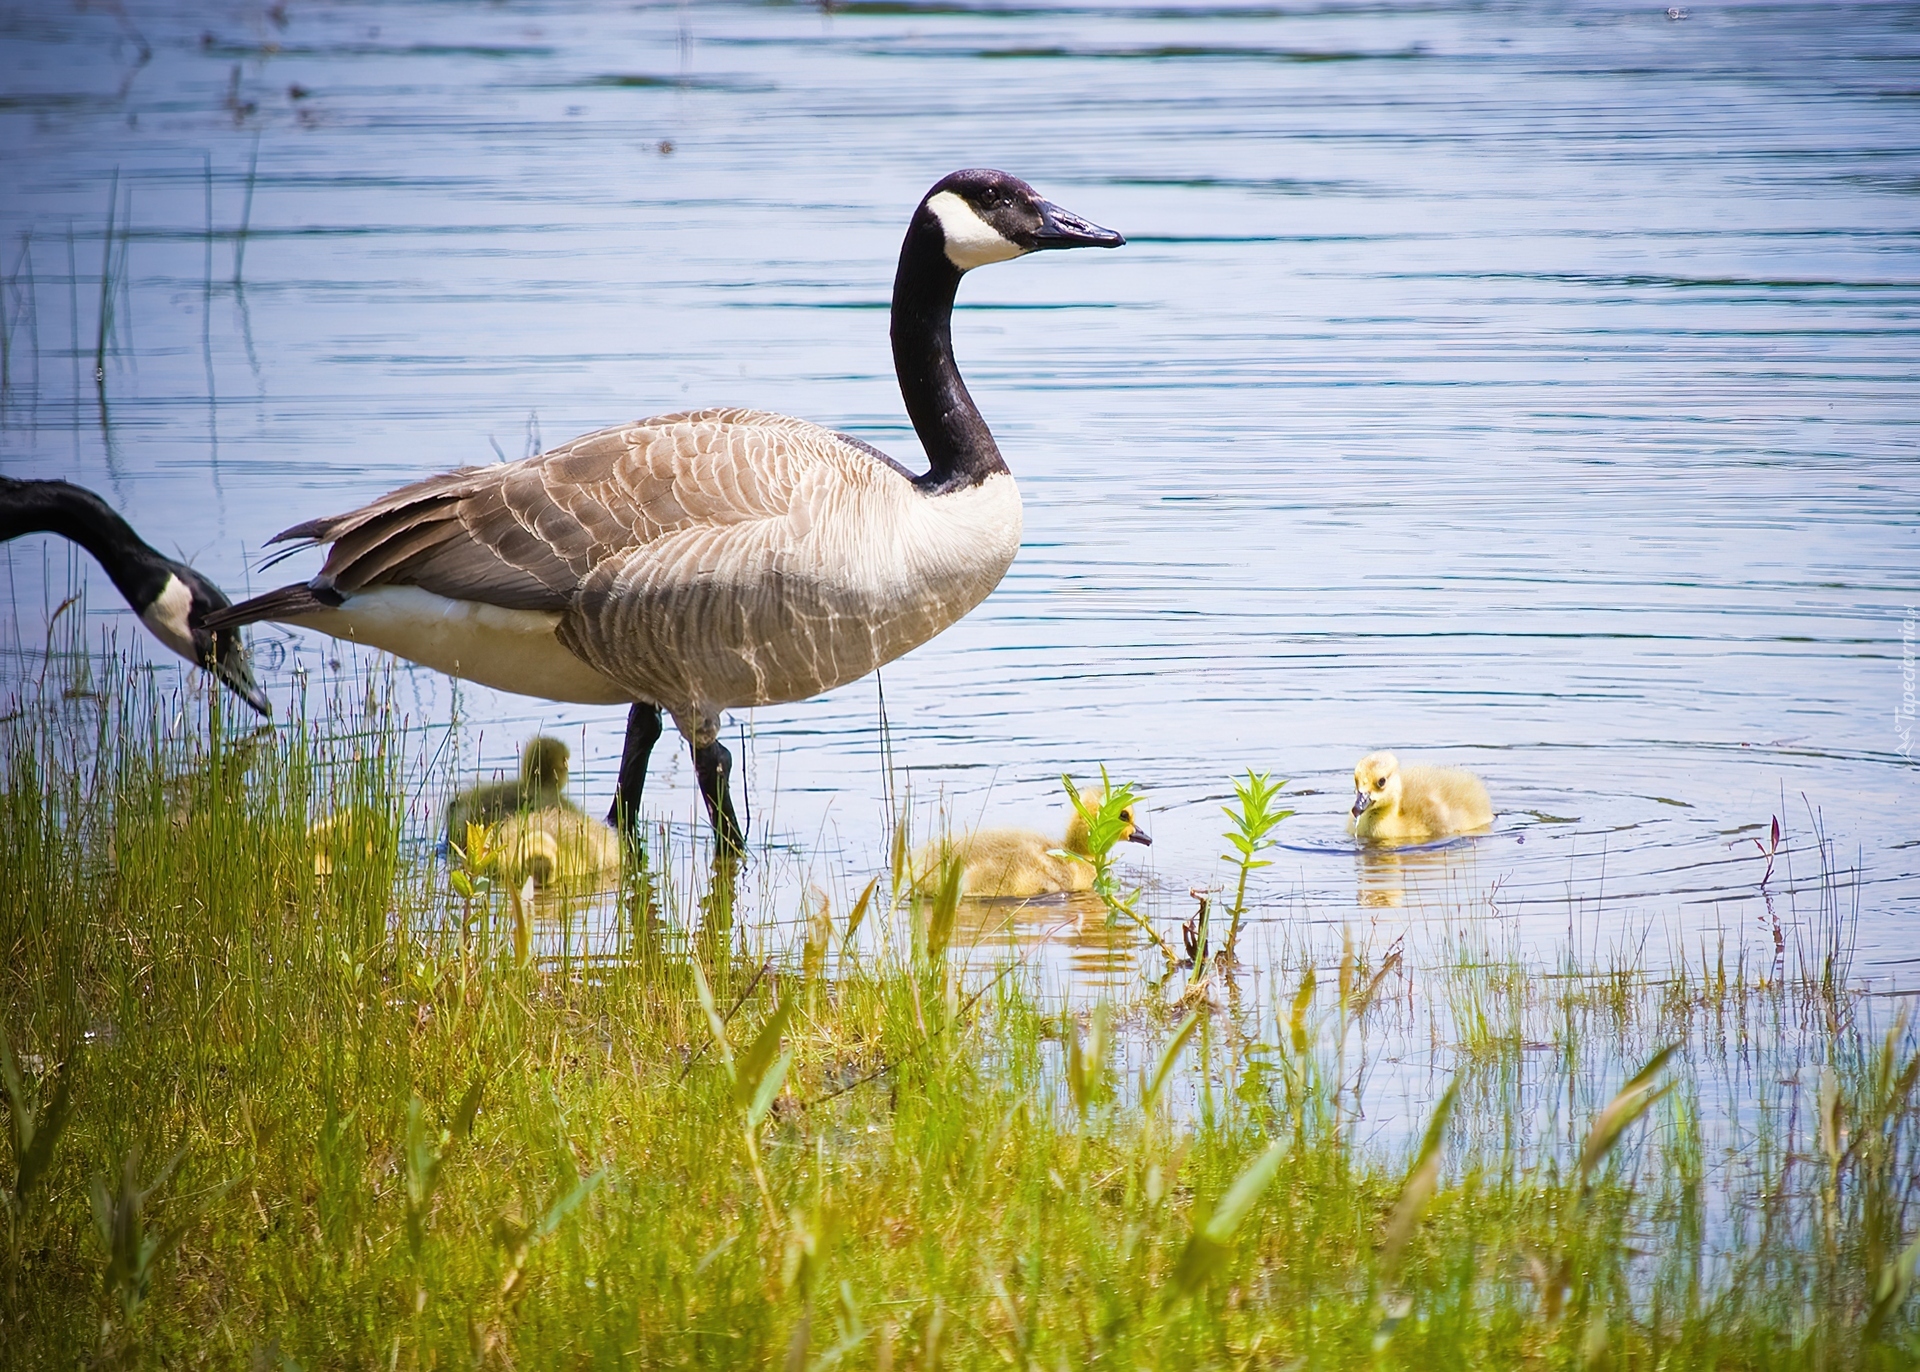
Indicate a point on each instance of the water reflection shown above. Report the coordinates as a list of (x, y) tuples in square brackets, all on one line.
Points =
[(1436, 876), (1097, 952)]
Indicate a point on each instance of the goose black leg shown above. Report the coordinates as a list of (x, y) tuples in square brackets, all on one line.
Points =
[(643, 731), (714, 764)]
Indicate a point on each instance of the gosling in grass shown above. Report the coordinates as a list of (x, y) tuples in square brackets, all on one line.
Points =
[(354, 835), (1019, 864), (542, 784), (1399, 804)]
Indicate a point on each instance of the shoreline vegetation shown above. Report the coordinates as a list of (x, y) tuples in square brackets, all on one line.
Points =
[(262, 1117)]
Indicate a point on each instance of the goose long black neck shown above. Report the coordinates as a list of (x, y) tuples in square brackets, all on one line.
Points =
[(77, 514), (960, 449)]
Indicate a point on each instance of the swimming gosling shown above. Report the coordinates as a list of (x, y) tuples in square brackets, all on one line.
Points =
[(1399, 804), (556, 848), (1019, 864), (543, 779)]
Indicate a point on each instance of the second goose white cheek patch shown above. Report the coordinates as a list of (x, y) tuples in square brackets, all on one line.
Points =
[(167, 617), (971, 241)]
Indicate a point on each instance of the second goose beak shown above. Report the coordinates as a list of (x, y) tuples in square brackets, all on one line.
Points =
[(1361, 800), (1064, 229), (1141, 837)]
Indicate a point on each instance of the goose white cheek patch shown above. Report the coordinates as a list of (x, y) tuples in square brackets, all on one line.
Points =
[(167, 617), (971, 241)]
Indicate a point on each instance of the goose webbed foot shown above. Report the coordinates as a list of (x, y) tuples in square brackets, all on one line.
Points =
[(714, 764), (643, 731)]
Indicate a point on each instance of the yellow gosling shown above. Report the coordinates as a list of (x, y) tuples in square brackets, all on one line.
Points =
[(542, 783), (1395, 804), (557, 849), (1018, 864), (345, 835)]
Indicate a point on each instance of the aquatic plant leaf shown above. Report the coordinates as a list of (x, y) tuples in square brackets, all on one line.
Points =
[(120, 1219)]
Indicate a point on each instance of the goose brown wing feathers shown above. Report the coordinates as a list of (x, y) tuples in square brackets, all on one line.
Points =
[(525, 535)]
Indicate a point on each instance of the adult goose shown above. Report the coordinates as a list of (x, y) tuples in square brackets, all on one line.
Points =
[(171, 598), (710, 560)]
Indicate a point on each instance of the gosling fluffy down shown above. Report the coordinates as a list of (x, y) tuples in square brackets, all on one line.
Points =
[(1019, 864), (1404, 803), (542, 783), (557, 849)]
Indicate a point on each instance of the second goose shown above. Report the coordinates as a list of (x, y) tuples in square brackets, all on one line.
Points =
[(710, 560)]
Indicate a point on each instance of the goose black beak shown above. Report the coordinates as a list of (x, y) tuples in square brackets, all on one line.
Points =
[(1361, 800), (235, 669), (1064, 229), (1141, 837)]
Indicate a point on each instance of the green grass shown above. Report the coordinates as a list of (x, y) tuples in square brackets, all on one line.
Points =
[(346, 1122)]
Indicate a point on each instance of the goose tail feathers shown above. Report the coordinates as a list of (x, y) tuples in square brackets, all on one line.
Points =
[(289, 602)]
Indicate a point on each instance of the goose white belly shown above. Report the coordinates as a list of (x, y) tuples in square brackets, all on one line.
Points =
[(509, 650)]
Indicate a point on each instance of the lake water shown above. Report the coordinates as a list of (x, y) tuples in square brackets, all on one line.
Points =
[(1527, 387)]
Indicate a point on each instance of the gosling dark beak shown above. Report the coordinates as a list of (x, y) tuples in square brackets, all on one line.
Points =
[(1140, 837), (1064, 229), (1361, 800)]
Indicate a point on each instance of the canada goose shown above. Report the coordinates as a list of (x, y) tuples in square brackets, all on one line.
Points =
[(541, 786), (1018, 864), (1392, 802), (172, 599), (710, 560), (555, 848)]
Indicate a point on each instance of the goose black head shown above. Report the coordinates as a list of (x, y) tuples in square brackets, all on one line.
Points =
[(175, 616), (989, 216)]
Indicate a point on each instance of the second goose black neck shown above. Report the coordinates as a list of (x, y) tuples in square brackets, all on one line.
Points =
[(77, 514), (960, 449)]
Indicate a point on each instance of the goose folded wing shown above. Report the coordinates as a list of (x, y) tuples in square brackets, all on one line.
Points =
[(525, 535)]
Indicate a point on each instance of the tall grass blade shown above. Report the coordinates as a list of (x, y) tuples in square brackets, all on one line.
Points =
[(33, 1134), (1634, 1100), (765, 1047), (1423, 1178), (714, 1022), (1207, 1249), (946, 905), (858, 914), (1297, 1018), (1168, 1056)]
